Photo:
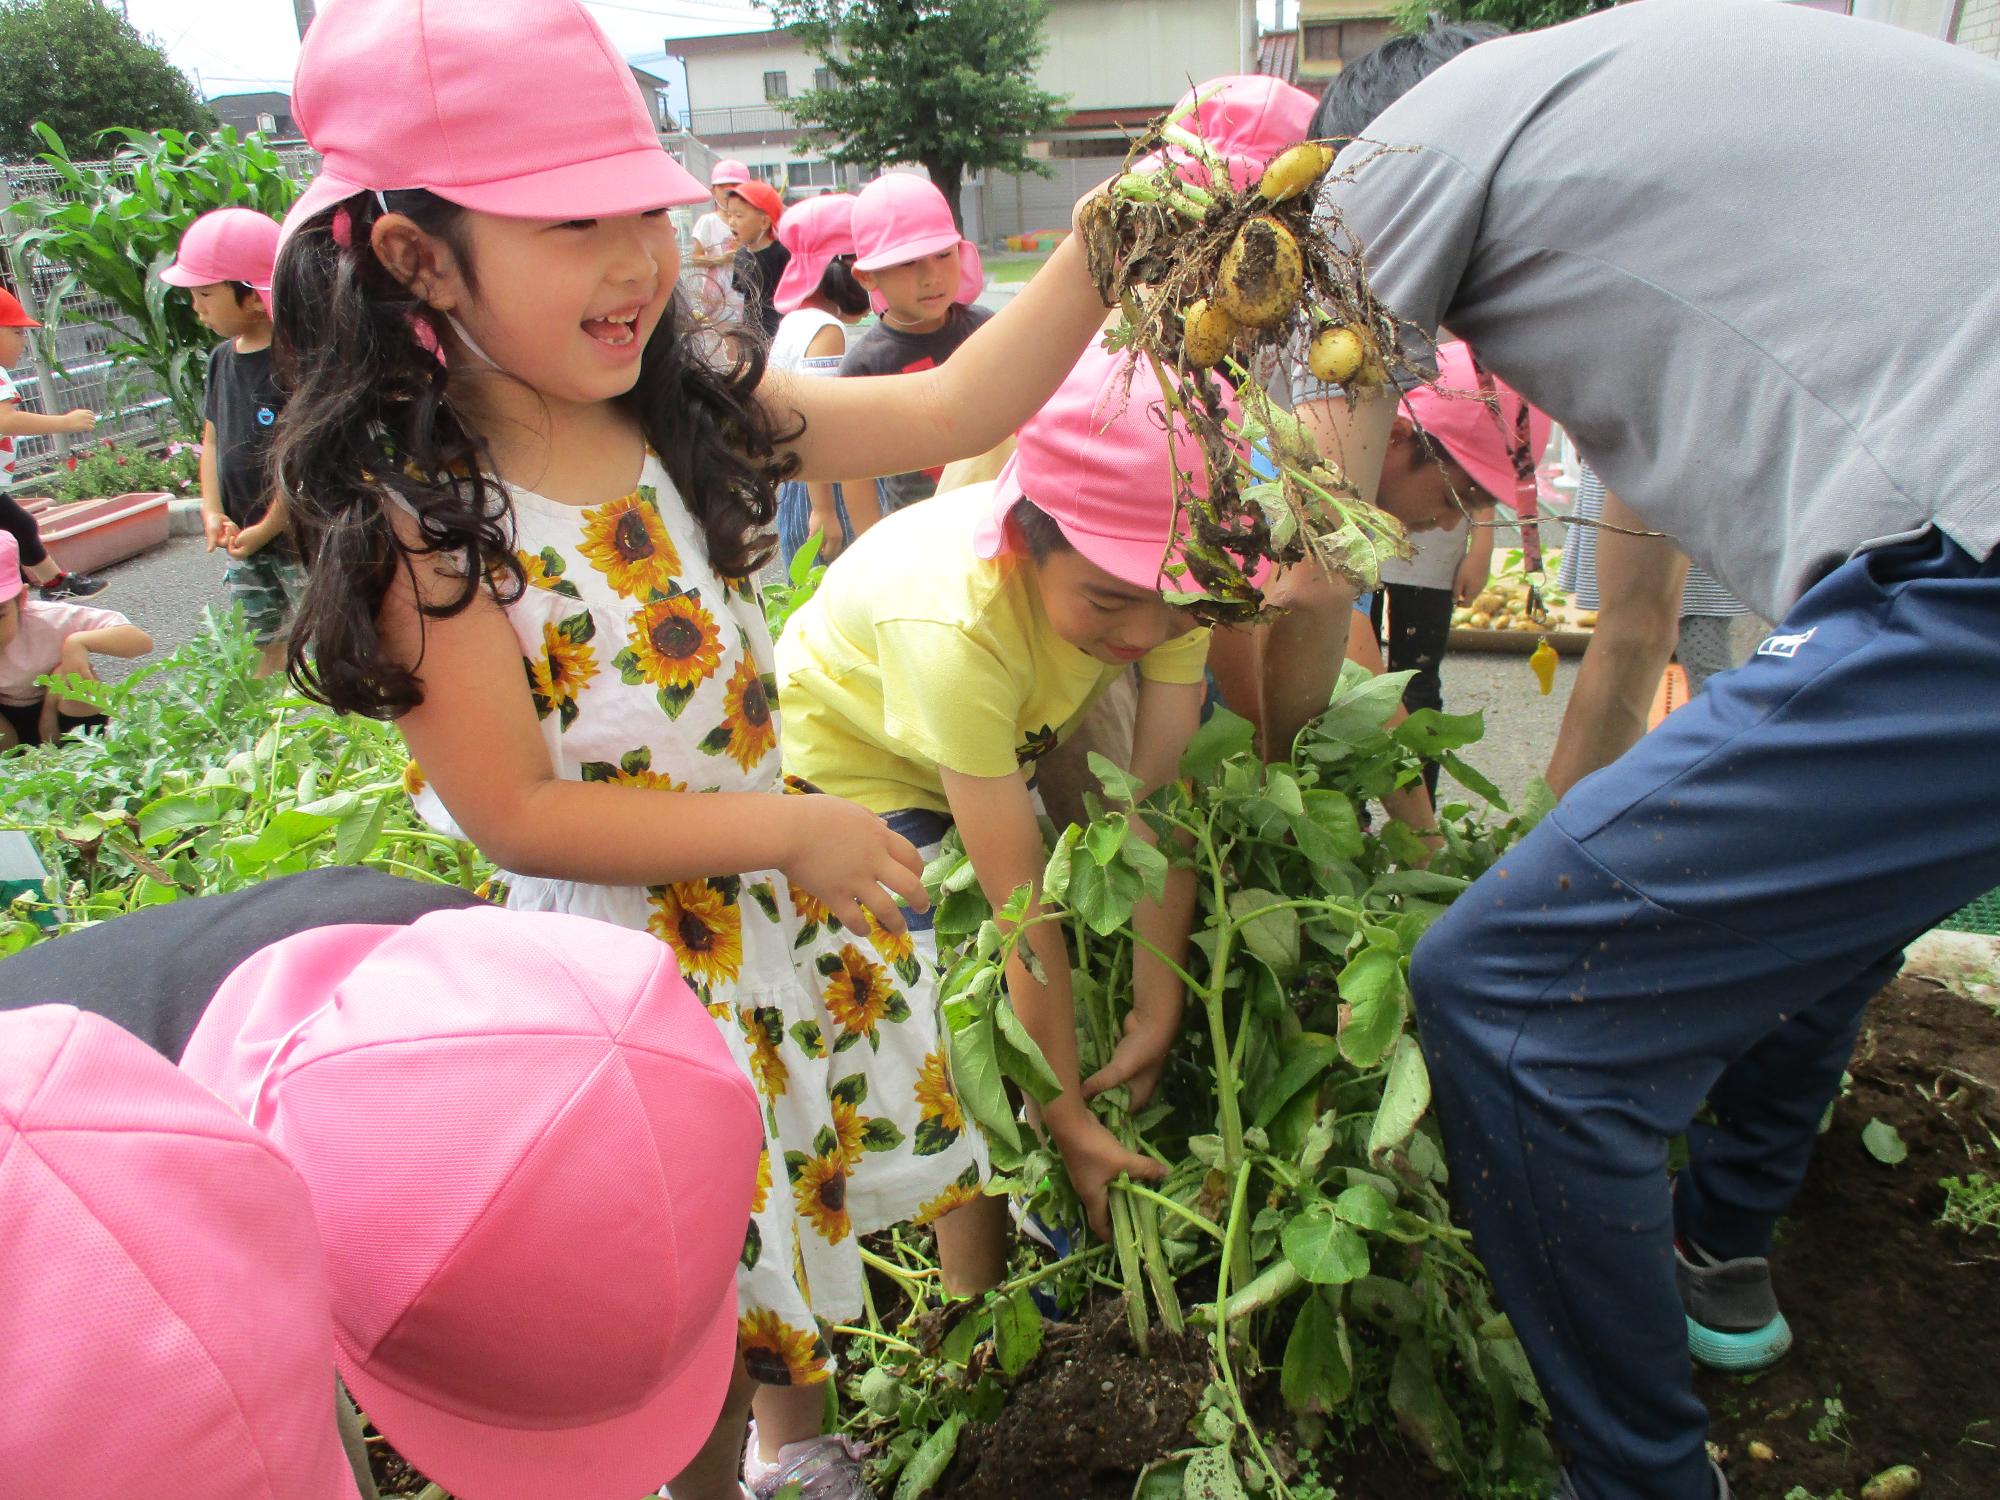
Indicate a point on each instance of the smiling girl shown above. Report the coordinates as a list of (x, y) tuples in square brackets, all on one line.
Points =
[(532, 508)]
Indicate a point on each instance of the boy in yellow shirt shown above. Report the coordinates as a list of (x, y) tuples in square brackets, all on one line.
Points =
[(958, 641)]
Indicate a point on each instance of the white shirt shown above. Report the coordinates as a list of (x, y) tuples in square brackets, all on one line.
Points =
[(795, 335)]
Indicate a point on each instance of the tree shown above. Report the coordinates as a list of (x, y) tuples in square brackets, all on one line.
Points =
[(1515, 15), (947, 83), (82, 69)]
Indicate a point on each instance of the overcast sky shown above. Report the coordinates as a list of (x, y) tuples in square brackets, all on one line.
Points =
[(240, 46)]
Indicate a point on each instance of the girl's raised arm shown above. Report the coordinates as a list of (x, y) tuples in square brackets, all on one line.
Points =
[(990, 386), (477, 740)]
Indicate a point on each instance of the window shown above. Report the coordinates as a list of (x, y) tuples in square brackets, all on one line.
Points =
[(822, 78), (777, 86), (1343, 41), (268, 123), (800, 175)]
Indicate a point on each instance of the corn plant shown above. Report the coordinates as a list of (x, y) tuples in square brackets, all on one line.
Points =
[(113, 226)]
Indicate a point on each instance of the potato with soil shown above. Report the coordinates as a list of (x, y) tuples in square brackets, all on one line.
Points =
[(1262, 274)]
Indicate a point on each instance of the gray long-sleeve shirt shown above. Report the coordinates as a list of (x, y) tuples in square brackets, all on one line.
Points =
[(1747, 253)]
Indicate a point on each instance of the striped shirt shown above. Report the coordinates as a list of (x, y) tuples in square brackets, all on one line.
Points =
[(1578, 575)]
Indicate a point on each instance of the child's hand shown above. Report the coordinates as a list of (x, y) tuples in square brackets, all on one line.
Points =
[(827, 524), (1141, 1054), (74, 660), (1095, 1158), (218, 529), (1472, 575), (249, 540), (850, 859), (81, 420)]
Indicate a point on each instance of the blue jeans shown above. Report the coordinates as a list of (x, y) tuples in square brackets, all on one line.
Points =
[(795, 521), (1705, 919)]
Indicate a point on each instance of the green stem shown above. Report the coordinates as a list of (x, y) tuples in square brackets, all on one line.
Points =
[(1274, 1283), (1179, 973), (1124, 1238), (888, 1341), (1220, 1341), (1180, 1210), (1055, 1268)]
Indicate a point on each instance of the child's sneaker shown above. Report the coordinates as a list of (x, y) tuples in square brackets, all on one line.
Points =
[(66, 586), (1732, 1312), (821, 1468)]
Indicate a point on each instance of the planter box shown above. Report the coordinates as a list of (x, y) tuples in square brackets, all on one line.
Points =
[(87, 535)]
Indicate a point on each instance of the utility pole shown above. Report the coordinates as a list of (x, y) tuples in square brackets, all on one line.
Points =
[(303, 12)]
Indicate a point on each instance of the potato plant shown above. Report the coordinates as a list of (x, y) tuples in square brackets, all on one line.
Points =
[(1304, 1228), (209, 779)]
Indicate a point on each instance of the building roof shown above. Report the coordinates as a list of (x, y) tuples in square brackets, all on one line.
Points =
[(702, 46), (256, 99), (1278, 55)]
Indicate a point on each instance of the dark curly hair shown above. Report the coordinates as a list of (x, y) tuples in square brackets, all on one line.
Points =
[(370, 425)]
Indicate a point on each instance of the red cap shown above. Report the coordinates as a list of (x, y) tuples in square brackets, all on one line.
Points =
[(762, 197), (12, 314)]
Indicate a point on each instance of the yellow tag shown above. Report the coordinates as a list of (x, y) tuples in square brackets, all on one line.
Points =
[(1543, 660)]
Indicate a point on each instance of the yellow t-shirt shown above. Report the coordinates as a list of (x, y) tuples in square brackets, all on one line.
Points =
[(916, 655)]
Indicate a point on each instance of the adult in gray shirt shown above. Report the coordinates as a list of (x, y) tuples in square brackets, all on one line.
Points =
[(1746, 253)]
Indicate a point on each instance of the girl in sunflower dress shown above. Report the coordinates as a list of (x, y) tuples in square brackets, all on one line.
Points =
[(533, 504)]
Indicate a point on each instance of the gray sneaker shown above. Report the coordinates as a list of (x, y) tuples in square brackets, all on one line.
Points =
[(1567, 1491), (826, 1468), (1732, 1313)]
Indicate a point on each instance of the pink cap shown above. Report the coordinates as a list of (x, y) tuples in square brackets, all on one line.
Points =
[(815, 231), (1482, 424), (520, 108), (1246, 119), (10, 567), (1099, 459), (728, 172), (901, 217), (163, 1314), (230, 244), (531, 1156)]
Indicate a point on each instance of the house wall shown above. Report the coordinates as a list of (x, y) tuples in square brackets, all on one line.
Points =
[(1102, 54), (1979, 27)]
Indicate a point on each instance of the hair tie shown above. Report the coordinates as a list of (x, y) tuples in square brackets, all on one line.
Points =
[(343, 228)]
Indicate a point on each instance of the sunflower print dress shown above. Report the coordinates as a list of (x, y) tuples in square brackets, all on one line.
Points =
[(649, 669)]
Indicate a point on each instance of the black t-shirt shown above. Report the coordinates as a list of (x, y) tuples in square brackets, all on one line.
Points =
[(888, 350), (756, 277), (155, 972), (243, 403)]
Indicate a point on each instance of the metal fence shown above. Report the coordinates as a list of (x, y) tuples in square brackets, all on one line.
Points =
[(67, 364)]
